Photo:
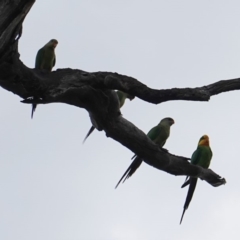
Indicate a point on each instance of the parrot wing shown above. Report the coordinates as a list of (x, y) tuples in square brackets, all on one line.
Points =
[(154, 133), (194, 160), (39, 58), (54, 60)]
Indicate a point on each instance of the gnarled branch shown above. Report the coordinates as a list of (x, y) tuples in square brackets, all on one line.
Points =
[(94, 92)]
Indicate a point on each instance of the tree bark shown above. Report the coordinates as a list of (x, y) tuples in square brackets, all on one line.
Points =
[(94, 92)]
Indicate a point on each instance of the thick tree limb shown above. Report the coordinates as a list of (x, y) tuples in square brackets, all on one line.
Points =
[(93, 91)]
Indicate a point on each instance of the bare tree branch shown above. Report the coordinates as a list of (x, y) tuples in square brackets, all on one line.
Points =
[(93, 91)]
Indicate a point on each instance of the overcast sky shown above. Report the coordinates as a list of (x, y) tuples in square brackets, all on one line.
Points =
[(54, 188)]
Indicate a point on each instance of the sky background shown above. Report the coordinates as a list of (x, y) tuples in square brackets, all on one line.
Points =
[(54, 188)]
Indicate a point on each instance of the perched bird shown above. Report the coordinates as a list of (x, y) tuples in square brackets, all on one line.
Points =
[(121, 97), (201, 157), (159, 135), (45, 60)]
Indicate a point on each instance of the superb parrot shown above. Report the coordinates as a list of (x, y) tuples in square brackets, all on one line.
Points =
[(159, 135), (121, 97), (201, 157), (45, 60)]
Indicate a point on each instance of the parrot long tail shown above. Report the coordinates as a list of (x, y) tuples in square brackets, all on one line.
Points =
[(134, 156), (185, 183), (192, 186), (131, 169), (34, 106), (89, 132)]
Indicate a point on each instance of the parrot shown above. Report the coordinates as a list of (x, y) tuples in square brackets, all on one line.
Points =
[(121, 97), (45, 60), (159, 135), (202, 157)]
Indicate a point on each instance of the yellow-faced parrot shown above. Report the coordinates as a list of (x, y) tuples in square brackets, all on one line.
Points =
[(202, 157)]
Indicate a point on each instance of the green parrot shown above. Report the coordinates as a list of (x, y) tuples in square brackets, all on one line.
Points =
[(121, 97), (45, 60), (201, 157), (159, 135)]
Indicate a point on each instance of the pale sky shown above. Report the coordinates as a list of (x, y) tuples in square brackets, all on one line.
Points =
[(54, 188)]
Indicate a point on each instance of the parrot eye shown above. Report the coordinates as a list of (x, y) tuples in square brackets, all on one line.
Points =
[(171, 120)]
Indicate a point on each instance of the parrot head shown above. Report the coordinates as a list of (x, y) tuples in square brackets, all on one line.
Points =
[(204, 141), (169, 121), (52, 43)]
